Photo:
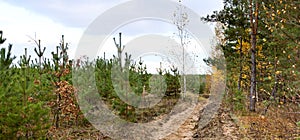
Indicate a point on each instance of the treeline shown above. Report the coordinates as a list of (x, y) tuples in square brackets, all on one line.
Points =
[(37, 97), (260, 41)]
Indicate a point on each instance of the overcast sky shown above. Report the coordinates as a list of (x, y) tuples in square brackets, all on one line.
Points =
[(49, 19)]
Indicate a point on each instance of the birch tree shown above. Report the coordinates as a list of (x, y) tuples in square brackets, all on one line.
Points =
[(181, 20)]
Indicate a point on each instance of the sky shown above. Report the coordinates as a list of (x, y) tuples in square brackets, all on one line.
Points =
[(22, 21)]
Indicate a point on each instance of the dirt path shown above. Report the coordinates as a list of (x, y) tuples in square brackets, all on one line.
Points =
[(222, 126), (188, 128)]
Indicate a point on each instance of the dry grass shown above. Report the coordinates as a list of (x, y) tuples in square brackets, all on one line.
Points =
[(278, 123)]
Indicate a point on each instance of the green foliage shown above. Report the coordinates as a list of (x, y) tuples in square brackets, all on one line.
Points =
[(29, 96), (138, 77), (23, 115), (298, 124), (239, 101), (277, 50), (38, 96), (172, 81), (103, 77), (196, 83), (2, 40), (5, 58), (201, 88)]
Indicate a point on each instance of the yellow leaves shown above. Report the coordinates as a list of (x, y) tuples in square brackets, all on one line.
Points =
[(218, 74), (256, 13), (269, 77), (265, 8), (281, 102), (244, 76), (269, 28), (283, 11), (278, 72), (273, 15), (278, 12), (245, 47), (285, 6), (261, 89), (259, 51), (267, 13), (248, 30), (259, 66), (261, 79)]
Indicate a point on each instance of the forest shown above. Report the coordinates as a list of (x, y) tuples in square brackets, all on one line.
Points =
[(260, 42)]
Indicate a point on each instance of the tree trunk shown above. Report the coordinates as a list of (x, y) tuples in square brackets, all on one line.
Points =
[(120, 49), (241, 64), (183, 68), (254, 25)]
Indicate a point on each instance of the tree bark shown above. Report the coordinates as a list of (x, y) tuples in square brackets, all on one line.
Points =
[(254, 25), (241, 64)]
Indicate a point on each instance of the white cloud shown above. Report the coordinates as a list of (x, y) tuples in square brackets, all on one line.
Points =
[(19, 24), (51, 19), (73, 13), (77, 13)]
